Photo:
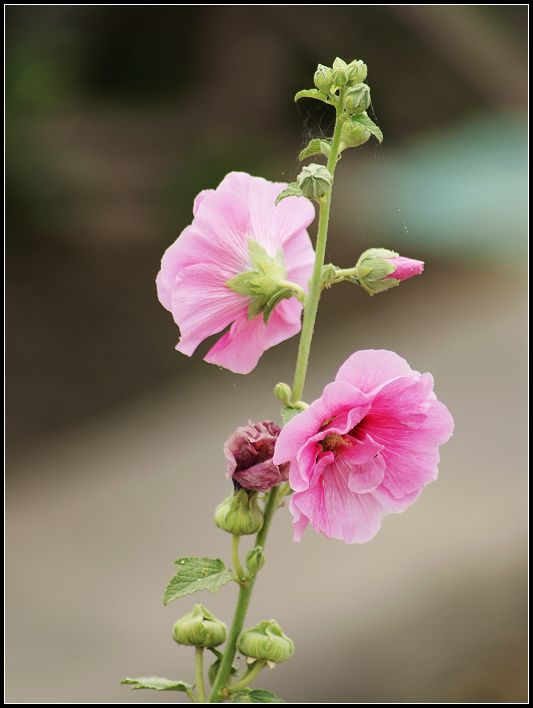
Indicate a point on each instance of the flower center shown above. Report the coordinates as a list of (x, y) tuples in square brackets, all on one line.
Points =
[(333, 441)]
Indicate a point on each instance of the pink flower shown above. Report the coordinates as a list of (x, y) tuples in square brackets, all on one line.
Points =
[(237, 231), (366, 448), (249, 453)]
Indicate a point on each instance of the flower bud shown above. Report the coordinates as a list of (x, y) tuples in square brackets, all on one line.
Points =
[(239, 514), (255, 559), (266, 641), (283, 393), (323, 78), (249, 451), (353, 134), (340, 72), (379, 269), (315, 181), (356, 71), (199, 628), (357, 99)]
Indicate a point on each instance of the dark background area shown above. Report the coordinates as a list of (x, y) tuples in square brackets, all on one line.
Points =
[(116, 118)]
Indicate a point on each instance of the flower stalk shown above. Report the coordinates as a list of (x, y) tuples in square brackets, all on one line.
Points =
[(308, 326)]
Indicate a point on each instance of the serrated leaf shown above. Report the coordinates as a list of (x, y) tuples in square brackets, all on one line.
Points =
[(368, 123), (315, 147), (292, 190), (157, 684), (255, 696), (196, 574), (313, 93)]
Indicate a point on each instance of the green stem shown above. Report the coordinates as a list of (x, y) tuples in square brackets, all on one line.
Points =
[(315, 285), (245, 593), (310, 310), (236, 561), (248, 677), (199, 666)]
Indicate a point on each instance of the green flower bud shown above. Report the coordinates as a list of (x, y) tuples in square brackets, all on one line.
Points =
[(255, 559), (239, 514), (356, 71), (266, 641), (283, 393), (353, 134), (199, 628), (315, 181), (357, 99), (372, 269), (340, 72), (323, 78)]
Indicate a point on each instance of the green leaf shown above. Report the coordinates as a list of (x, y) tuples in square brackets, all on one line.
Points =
[(255, 696), (196, 574), (368, 123), (157, 683), (315, 147), (292, 190), (313, 93)]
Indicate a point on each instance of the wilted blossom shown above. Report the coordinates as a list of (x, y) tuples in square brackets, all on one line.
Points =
[(249, 452), (204, 281), (365, 448)]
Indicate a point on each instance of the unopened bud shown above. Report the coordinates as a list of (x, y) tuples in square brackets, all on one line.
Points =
[(340, 72), (315, 181), (323, 78), (356, 71), (379, 269), (357, 99), (283, 393), (266, 641), (239, 514), (255, 559), (199, 628)]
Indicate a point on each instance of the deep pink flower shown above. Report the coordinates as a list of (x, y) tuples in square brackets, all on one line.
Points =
[(249, 453), (193, 281), (366, 448)]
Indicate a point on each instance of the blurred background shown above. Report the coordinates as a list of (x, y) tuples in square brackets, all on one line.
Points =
[(117, 117)]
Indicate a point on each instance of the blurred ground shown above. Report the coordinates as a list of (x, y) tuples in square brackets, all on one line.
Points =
[(116, 118)]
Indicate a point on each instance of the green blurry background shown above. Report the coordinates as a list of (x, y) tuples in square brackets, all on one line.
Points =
[(116, 118)]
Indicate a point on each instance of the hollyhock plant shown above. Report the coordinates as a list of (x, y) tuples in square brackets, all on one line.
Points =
[(245, 269), (242, 263), (249, 452), (367, 447)]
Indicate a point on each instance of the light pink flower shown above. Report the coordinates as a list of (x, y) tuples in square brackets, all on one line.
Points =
[(192, 282), (366, 448), (249, 453)]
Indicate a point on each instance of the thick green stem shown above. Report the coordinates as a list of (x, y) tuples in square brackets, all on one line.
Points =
[(315, 285), (310, 310), (245, 593), (199, 666)]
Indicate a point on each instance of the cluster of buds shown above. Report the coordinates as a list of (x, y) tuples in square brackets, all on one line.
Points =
[(330, 79), (346, 77)]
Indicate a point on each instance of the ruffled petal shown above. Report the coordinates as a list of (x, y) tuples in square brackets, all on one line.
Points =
[(370, 369)]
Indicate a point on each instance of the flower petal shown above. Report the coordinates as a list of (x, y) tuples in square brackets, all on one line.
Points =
[(242, 346), (370, 369)]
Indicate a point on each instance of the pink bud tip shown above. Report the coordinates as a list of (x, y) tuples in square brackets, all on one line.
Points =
[(405, 268)]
